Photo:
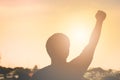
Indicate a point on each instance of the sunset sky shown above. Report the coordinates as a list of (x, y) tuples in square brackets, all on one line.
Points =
[(25, 26)]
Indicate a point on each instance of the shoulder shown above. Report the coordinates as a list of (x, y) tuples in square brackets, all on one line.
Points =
[(43, 70), (40, 72)]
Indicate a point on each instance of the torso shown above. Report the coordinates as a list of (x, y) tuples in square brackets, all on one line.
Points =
[(58, 73)]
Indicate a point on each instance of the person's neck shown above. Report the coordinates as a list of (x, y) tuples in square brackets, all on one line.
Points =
[(58, 63)]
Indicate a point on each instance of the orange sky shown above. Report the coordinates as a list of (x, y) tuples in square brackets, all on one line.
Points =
[(26, 25)]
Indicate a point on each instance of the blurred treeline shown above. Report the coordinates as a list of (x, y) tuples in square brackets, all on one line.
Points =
[(20, 73)]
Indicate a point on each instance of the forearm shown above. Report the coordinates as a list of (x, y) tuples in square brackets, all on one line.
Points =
[(100, 17), (95, 34)]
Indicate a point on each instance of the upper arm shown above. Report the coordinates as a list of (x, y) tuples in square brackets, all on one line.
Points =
[(83, 61)]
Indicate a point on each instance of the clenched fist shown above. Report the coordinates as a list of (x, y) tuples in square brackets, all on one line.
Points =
[(100, 16)]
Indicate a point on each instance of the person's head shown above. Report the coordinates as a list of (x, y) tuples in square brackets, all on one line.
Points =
[(58, 47)]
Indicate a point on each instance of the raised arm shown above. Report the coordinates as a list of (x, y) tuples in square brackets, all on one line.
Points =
[(100, 16), (83, 61)]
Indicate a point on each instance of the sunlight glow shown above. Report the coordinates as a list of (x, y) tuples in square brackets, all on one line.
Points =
[(79, 33)]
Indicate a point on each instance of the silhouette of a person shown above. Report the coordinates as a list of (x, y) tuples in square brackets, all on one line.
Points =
[(58, 49)]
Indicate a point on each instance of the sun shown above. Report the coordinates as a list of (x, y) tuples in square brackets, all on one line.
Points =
[(79, 33)]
